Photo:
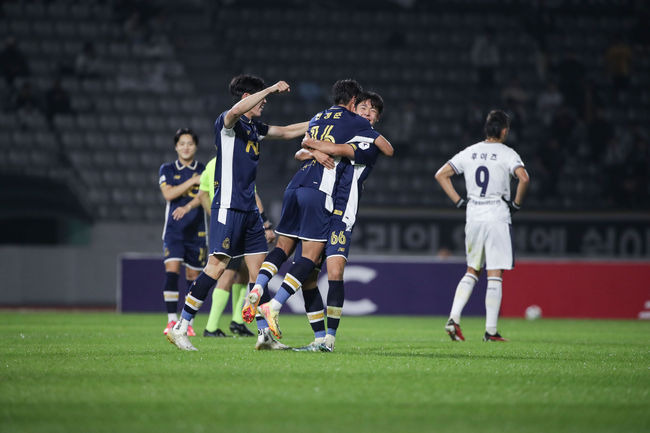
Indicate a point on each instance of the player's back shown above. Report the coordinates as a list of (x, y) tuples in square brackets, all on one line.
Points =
[(487, 168), (337, 125)]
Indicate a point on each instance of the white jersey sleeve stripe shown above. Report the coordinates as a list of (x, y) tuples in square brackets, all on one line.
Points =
[(227, 152), (350, 214), (451, 164)]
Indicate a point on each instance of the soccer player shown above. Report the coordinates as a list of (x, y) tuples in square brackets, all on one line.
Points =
[(235, 278), (359, 159), (487, 167), (184, 232), (235, 224), (308, 204)]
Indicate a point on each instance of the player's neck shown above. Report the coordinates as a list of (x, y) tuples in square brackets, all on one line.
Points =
[(492, 140)]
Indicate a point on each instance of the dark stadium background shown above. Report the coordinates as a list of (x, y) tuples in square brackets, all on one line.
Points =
[(92, 92)]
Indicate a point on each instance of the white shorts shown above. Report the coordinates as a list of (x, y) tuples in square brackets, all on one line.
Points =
[(489, 243)]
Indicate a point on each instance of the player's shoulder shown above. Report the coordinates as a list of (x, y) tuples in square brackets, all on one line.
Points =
[(218, 123), (167, 166), (211, 163)]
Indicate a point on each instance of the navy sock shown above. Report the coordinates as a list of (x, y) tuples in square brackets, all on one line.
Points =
[(335, 299), (315, 311), (260, 320), (197, 293), (270, 267), (170, 292)]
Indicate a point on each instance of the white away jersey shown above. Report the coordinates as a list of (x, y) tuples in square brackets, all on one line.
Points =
[(487, 168)]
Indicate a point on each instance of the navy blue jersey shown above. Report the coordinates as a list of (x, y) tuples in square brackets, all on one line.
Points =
[(353, 174), (192, 225), (238, 153), (338, 125)]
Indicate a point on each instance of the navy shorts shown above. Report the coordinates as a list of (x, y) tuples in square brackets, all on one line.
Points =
[(340, 239), (235, 233), (193, 254), (304, 215)]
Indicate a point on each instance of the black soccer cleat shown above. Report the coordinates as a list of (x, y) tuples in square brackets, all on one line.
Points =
[(495, 337), (218, 333), (240, 329), (453, 330)]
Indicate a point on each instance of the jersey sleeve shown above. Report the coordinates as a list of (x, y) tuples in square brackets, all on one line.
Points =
[(365, 153), (164, 174), (262, 129), (515, 162), (457, 162)]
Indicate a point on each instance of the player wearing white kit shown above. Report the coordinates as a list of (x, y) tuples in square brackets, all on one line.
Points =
[(487, 167)]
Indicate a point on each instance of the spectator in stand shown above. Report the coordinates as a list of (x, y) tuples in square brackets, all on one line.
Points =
[(57, 100), (13, 61), (485, 58), (618, 60), (548, 102), (599, 132), (87, 63)]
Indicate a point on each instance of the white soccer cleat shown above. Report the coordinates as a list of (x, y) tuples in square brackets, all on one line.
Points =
[(265, 341), (318, 345), (329, 342), (179, 339)]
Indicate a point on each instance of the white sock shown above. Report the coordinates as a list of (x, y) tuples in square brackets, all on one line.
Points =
[(275, 305), (172, 317), (192, 322), (463, 292), (182, 325), (492, 304)]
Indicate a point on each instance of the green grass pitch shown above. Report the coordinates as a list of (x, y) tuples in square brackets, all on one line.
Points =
[(103, 372)]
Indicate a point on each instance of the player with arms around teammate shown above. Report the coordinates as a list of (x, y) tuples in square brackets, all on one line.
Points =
[(236, 227), (359, 159), (487, 167), (184, 232), (308, 204)]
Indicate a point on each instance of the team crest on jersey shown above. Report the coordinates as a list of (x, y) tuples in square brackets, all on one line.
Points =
[(226, 244), (177, 176), (166, 252)]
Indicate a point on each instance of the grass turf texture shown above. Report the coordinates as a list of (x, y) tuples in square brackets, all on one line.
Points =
[(102, 372)]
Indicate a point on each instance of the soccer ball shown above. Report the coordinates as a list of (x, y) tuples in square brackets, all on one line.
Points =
[(533, 312)]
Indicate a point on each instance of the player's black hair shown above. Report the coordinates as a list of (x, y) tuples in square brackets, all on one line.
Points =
[(495, 122), (344, 90), (376, 101), (245, 83), (183, 131)]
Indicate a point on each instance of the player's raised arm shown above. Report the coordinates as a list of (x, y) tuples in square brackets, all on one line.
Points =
[(288, 132), (322, 158), (443, 176), (249, 102)]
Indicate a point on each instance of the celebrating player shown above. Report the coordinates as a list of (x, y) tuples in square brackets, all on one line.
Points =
[(184, 231), (235, 224), (358, 159), (235, 278), (308, 204), (487, 166)]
